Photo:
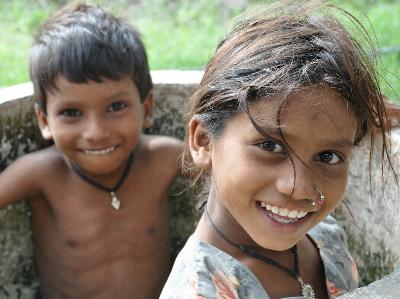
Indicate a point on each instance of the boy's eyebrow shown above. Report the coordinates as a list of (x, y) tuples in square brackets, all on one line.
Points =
[(118, 94), (340, 142), (109, 97)]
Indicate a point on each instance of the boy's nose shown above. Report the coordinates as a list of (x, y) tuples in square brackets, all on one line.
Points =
[(95, 130), (296, 182)]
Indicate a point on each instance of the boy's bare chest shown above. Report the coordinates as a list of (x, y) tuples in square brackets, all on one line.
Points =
[(78, 232), (78, 211)]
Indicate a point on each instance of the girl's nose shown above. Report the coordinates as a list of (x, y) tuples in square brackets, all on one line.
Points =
[(296, 181)]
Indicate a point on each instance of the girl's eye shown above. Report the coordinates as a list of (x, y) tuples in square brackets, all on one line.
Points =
[(329, 158), (117, 106), (71, 112), (271, 146)]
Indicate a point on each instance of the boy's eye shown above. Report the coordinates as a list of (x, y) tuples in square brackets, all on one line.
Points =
[(271, 146), (117, 106), (329, 157), (71, 112)]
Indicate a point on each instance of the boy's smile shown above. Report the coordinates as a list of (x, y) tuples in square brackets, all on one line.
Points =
[(98, 152), (96, 125), (263, 186)]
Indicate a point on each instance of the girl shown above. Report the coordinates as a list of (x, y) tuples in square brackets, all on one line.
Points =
[(271, 130)]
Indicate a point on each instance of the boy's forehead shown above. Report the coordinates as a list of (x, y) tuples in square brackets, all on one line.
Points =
[(92, 92), (62, 85)]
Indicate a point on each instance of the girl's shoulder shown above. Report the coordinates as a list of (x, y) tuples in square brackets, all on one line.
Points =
[(204, 271), (340, 269), (328, 232)]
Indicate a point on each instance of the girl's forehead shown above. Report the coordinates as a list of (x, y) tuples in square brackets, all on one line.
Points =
[(315, 101), (317, 110)]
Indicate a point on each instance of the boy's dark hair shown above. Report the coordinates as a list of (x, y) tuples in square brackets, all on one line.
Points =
[(280, 51), (83, 43)]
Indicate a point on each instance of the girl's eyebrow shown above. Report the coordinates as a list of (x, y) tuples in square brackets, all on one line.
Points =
[(340, 142)]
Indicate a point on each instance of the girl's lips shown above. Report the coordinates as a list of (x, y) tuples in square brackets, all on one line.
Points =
[(284, 212), (282, 224)]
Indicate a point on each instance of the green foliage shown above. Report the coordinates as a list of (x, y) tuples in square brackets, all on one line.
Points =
[(182, 34), (19, 21), (381, 20)]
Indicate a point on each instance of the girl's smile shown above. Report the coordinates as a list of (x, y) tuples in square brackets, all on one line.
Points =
[(280, 214), (264, 180), (280, 223)]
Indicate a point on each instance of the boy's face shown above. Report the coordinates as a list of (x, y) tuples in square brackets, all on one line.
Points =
[(96, 125)]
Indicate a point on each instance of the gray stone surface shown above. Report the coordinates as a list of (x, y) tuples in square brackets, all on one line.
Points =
[(373, 235), (373, 227), (385, 288)]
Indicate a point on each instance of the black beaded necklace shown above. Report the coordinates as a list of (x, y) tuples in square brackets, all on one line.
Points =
[(306, 289), (115, 202)]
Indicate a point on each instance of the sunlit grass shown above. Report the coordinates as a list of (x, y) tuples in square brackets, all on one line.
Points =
[(181, 34)]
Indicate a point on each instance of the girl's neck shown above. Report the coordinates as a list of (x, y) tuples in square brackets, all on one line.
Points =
[(227, 228)]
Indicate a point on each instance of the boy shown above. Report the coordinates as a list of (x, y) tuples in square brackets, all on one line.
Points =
[(98, 196)]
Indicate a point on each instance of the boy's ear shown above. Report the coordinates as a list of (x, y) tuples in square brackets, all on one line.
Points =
[(199, 143), (148, 111), (43, 124)]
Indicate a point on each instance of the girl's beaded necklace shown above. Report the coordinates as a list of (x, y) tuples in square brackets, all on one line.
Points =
[(115, 202), (306, 289)]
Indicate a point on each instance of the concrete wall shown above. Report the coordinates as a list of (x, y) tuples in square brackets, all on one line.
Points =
[(374, 233)]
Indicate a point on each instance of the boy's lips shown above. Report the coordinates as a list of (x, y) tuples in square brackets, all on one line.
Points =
[(98, 152)]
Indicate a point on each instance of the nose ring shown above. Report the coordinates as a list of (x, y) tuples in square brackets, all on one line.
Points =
[(321, 197)]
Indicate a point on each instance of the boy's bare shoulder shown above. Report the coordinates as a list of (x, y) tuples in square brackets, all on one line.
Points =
[(163, 145), (48, 160), (27, 176), (163, 150)]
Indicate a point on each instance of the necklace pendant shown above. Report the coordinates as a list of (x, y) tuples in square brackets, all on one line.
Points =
[(115, 202), (306, 289)]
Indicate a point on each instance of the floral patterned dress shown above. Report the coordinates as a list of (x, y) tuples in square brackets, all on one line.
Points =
[(202, 271)]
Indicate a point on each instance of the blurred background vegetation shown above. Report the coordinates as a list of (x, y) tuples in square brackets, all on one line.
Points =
[(182, 34)]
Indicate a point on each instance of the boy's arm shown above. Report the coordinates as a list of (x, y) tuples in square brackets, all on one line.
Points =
[(20, 180)]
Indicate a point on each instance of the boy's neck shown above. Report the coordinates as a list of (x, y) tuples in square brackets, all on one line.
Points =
[(115, 202)]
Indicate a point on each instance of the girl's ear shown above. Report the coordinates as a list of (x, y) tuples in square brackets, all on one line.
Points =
[(148, 111), (43, 124), (200, 144)]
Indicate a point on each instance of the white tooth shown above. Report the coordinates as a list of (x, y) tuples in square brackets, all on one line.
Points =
[(301, 214), (100, 152), (275, 209), (293, 214), (262, 204), (284, 212), (269, 207), (283, 220)]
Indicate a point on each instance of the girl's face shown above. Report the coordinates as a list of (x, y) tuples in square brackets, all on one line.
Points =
[(257, 185)]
